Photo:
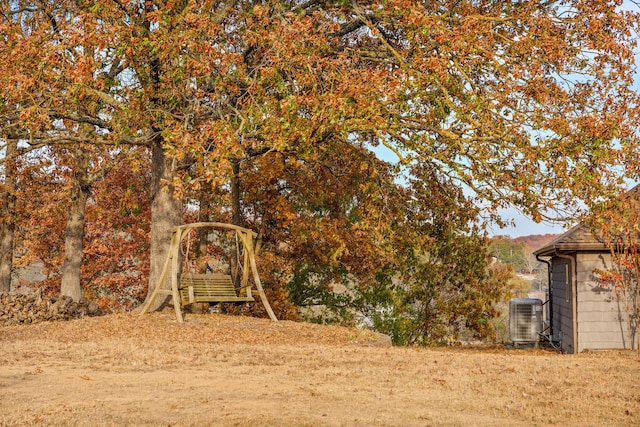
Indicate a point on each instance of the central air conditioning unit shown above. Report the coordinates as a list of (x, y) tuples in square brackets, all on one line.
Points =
[(525, 320)]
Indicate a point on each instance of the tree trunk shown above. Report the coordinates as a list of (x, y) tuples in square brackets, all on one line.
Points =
[(236, 210), (203, 216), (8, 225), (74, 238), (166, 213)]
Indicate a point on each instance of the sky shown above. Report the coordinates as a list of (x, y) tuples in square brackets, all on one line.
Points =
[(524, 226)]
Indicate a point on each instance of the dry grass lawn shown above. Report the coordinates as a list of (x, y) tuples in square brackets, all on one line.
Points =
[(219, 370)]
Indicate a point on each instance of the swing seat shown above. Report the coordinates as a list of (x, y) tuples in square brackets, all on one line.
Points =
[(209, 288)]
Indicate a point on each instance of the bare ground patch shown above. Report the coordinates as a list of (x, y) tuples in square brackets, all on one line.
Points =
[(236, 371)]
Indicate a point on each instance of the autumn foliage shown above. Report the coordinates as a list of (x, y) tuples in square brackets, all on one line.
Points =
[(367, 142)]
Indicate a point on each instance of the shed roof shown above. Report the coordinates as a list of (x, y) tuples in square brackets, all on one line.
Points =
[(578, 238)]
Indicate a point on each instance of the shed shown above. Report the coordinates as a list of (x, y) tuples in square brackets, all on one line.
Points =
[(584, 315)]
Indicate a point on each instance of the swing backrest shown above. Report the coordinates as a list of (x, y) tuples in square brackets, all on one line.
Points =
[(211, 288)]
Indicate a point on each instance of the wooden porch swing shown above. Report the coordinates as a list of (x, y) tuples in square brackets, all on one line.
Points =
[(189, 287)]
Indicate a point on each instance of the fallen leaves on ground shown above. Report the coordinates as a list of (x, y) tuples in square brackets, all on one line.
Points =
[(197, 328)]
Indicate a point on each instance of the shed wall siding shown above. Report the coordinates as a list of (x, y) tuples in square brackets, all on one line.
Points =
[(601, 321), (562, 318)]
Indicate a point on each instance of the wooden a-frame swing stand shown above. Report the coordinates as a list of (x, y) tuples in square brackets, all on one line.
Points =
[(189, 288)]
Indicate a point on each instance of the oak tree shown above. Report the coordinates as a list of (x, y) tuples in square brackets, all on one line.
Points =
[(525, 104)]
